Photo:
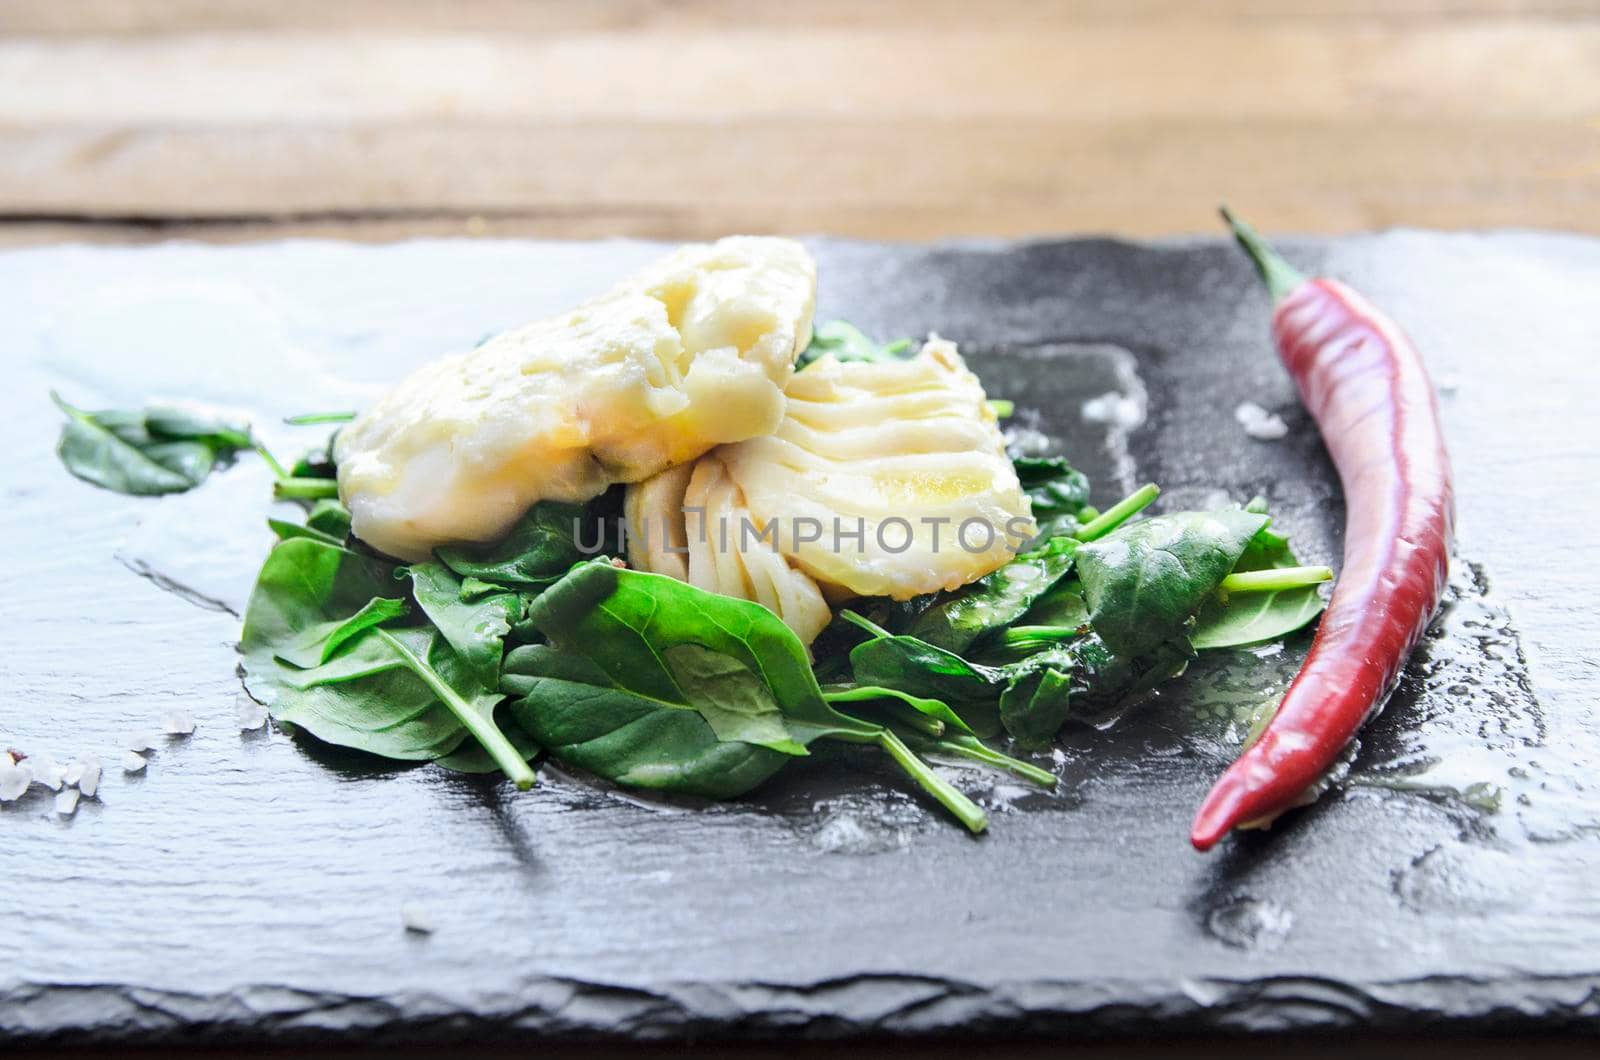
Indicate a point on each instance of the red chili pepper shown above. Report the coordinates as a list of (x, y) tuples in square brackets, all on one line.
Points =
[(1364, 384)]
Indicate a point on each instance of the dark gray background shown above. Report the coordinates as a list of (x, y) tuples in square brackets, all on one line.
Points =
[(249, 885)]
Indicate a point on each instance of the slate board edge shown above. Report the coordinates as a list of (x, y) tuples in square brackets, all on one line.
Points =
[(888, 1005)]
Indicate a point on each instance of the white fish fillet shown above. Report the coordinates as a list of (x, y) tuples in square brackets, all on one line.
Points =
[(690, 353)]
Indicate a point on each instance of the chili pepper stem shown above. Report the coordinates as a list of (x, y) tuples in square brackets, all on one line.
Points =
[(1280, 276)]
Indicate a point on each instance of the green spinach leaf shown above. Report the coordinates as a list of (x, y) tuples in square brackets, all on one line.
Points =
[(400, 692), (538, 551), (571, 706), (933, 716), (145, 452), (957, 620), (1236, 620), (1145, 581), (475, 627), (723, 686), (1062, 606), (1058, 492), (920, 669), (1034, 705), (328, 516)]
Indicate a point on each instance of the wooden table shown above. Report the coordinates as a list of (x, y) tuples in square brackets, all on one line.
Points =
[(914, 119)]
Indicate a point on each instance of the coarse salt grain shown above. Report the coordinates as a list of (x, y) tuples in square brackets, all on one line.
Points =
[(140, 742), (249, 714), (415, 918), (133, 762), (46, 770), (1115, 409), (67, 802), (89, 779), (177, 722), (1260, 424), (14, 778)]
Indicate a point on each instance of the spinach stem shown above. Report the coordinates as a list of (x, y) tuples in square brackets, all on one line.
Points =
[(965, 810), (1275, 580), (290, 488), (978, 752), (1035, 636), (1002, 408), (912, 718), (906, 712), (1118, 513), (308, 419), (865, 623), (278, 471), (483, 729)]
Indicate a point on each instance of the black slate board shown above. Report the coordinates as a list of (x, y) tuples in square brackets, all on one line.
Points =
[(249, 886)]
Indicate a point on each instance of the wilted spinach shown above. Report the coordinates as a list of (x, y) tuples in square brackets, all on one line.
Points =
[(1239, 619), (475, 627), (538, 551), (324, 652), (1058, 492), (957, 620), (145, 452), (1145, 582), (1035, 703), (656, 683)]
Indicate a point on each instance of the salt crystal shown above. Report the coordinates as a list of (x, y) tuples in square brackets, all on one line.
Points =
[(249, 714), (1260, 424), (74, 773), (1115, 409), (1267, 651), (14, 778), (177, 722), (133, 762), (89, 780), (46, 771), (140, 741), (415, 918), (67, 802)]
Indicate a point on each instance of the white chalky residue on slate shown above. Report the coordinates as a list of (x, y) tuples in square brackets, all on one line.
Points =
[(67, 802), (1260, 424), (133, 762)]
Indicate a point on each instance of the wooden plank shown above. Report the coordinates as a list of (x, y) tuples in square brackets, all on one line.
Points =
[(892, 120), (87, 17), (1094, 72), (905, 180)]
